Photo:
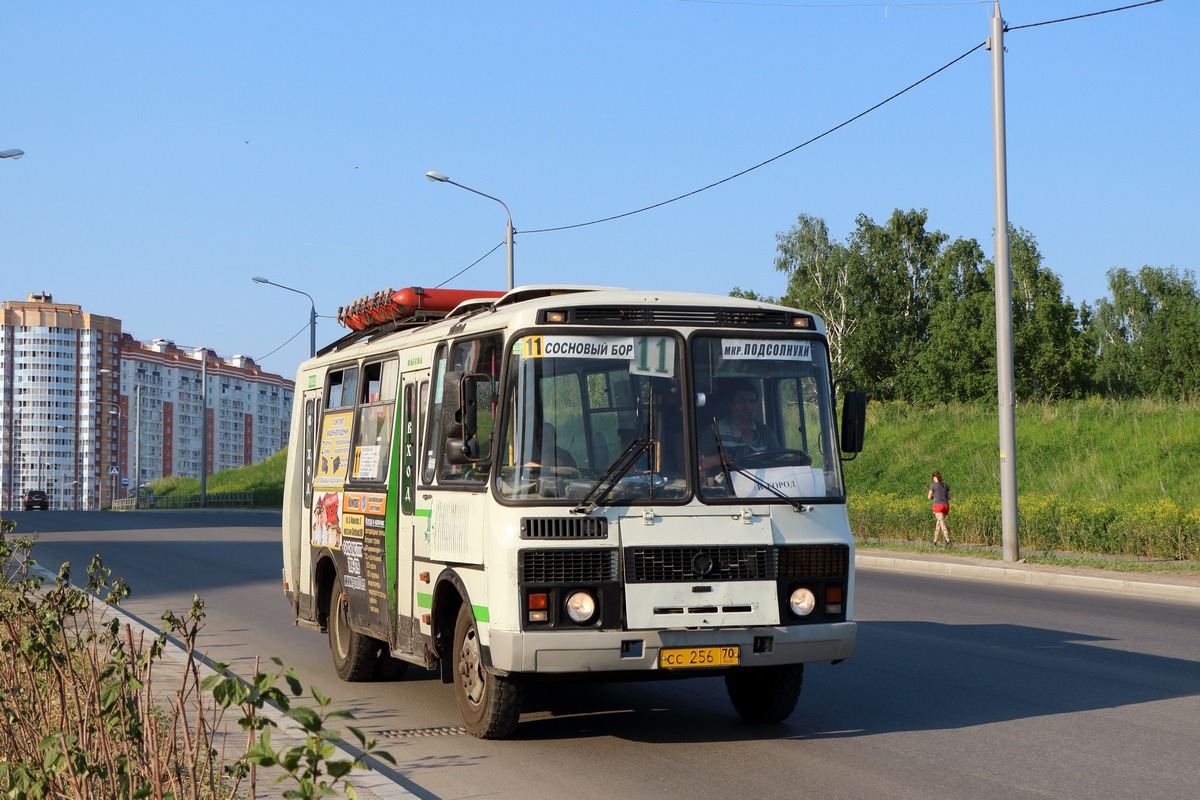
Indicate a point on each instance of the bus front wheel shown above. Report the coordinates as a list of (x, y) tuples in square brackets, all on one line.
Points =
[(765, 694), (490, 704), (354, 654)]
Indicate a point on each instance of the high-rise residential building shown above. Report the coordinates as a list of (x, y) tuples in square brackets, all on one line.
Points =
[(244, 421), (87, 412)]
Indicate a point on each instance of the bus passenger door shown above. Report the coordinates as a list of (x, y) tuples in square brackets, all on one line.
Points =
[(298, 511), (414, 387)]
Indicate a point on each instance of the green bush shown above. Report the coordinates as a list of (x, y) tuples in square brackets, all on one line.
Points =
[(1160, 530), (80, 716)]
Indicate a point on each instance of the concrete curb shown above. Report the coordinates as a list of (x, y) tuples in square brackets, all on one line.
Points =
[(1033, 577)]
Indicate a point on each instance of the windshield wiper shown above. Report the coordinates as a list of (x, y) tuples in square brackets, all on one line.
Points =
[(612, 475), (727, 465)]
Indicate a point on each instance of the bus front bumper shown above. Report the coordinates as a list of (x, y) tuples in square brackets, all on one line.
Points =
[(566, 651)]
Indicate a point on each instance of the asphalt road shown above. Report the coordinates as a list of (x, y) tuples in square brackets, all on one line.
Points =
[(959, 688)]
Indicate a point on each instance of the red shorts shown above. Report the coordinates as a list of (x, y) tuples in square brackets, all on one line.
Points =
[(941, 508)]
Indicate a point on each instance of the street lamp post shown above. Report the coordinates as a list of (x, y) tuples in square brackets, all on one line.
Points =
[(14, 153), (137, 446), (116, 410), (312, 317), (203, 427), (438, 177)]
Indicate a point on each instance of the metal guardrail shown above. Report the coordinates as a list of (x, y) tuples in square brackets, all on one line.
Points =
[(211, 499)]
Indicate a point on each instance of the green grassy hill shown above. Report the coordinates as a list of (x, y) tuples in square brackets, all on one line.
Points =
[(264, 479), (1094, 476), (1133, 451), (1112, 477)]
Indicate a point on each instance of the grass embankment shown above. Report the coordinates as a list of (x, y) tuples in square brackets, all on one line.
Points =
[(1103, 477), (264, 479), (1109, 478)]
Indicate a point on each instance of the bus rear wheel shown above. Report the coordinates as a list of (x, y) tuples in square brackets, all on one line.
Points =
[(765, 694), (354, 654), (490, 704)]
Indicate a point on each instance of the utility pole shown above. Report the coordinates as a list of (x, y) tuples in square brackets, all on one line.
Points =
[(1006, 393)]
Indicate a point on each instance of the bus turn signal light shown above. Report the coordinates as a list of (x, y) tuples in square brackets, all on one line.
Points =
[(537, 607), (833, 599)]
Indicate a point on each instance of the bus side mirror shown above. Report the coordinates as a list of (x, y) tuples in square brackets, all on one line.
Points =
[(854, 419), (458, 406), (462, 451), (460, 416)]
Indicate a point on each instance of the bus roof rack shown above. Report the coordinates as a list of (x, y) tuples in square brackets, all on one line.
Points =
[(389, 310), (414, 304)]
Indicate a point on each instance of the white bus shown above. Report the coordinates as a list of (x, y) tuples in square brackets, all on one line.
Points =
[(558, 481)]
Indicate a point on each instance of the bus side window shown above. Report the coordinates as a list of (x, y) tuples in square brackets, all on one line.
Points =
[(422, 406), (339, 392), (376, 421), (432, 408), (476, 373)]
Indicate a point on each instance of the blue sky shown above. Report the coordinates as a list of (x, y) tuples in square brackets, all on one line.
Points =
[(174, 150)]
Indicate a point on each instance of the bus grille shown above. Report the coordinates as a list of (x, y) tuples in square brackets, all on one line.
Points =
[(560, 528), (814, 561), (568, 566), (673, 564), (673, 315)]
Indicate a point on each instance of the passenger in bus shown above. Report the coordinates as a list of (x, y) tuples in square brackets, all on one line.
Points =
[(546, 452)]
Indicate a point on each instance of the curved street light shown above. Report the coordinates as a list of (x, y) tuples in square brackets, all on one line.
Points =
[(312, 318), (14, 153), (438, 177)]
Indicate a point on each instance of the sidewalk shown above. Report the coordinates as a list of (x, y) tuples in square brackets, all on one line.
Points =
[(1176, 586)]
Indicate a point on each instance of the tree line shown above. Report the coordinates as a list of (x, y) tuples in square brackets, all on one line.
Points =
[(911, 316)]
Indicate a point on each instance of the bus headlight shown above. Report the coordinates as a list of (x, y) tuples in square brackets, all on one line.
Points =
[(802, 602), (581, 607)]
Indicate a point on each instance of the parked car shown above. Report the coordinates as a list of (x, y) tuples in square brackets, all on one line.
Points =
[(37, 499)]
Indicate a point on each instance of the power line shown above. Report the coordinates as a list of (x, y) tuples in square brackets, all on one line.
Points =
[(1083, 16), (285, 344), (473, 263), (818, 137)]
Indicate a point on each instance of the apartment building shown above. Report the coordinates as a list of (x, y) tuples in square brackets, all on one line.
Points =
[(197, 408), (87, 411)]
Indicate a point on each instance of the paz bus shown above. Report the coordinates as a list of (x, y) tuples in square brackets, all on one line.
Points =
[(551, 482)]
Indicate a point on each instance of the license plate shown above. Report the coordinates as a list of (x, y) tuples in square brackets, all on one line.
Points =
[(685, 657)]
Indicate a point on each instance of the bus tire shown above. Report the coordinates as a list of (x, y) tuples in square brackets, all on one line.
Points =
[(765, 694), (354, 654), (490, 704)]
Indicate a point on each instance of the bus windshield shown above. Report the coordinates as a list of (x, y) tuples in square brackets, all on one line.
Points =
[(575, 403), (764, 419)]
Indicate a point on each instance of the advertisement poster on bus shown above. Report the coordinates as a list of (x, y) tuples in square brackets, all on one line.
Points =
[(327, 520), (333, 455), (364, 522)]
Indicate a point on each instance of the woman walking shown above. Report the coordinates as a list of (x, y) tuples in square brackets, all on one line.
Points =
[(939, 493)]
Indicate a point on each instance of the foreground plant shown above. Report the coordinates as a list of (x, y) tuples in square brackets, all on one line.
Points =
[(81, 717)]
